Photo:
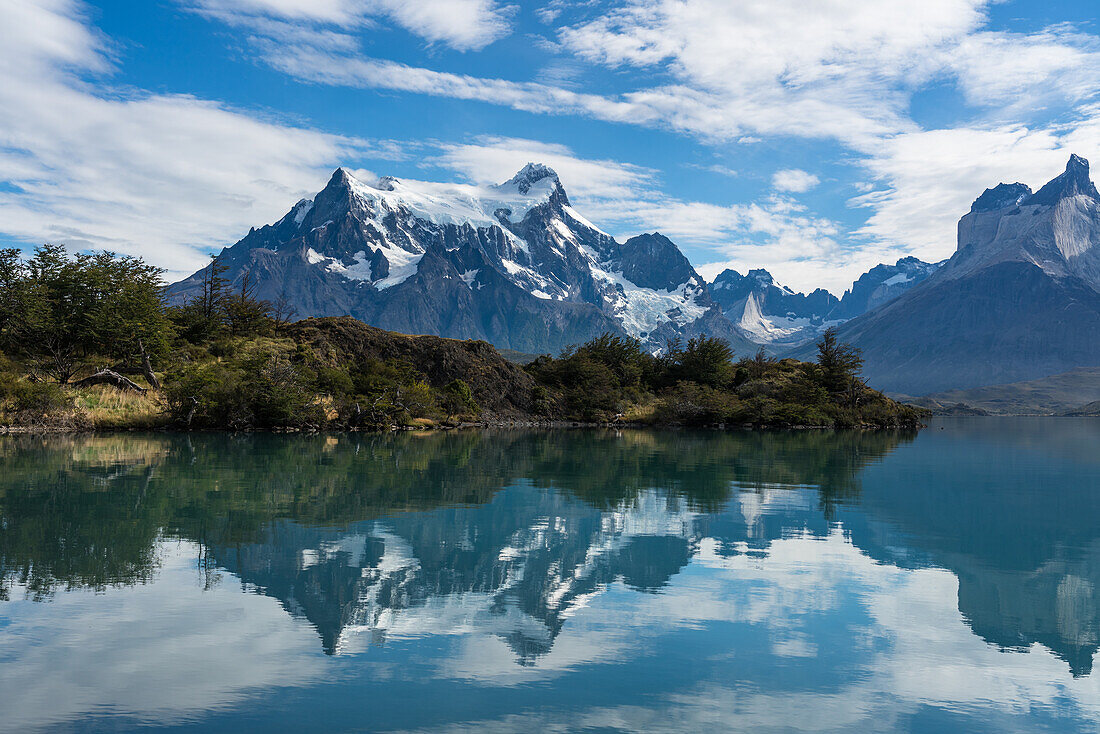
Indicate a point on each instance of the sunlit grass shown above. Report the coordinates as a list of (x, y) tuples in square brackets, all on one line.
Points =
[(107, 408), (641, 412)]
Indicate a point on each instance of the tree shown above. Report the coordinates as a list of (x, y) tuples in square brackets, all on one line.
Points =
[(705, 360), (128, 320), (211, 300), (204, 317), (245, 314), (623, 355), (63, 313), (15, 295), (282, 313), (758, 365), (841, 364)]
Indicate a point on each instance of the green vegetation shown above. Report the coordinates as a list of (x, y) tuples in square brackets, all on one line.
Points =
[(87, 342), (700, 384)]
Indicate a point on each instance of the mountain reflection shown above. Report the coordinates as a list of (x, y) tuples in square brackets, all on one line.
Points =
[(370, 537), (1012, 512)]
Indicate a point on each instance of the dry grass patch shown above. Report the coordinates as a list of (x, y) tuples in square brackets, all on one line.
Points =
[(641, 412), (106, 408)]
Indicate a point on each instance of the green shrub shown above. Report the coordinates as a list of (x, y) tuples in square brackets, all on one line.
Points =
[(333, 381), (456, 398), (263, 390), (689, 403), (541, 403), (23, 396)]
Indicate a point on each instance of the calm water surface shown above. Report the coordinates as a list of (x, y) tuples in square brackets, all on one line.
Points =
[(554, 581)]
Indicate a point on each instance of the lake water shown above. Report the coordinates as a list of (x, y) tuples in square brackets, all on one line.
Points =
[(554, 581)]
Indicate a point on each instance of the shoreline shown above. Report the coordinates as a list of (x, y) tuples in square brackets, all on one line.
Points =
[(465, 426)]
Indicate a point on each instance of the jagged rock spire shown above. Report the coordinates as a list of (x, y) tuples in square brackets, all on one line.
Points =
[(1074, 182)]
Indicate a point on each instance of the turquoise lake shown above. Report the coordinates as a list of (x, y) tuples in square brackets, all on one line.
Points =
[(934, 581)]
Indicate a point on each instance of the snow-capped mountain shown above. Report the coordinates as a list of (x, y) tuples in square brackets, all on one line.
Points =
[(770, 313), (1019, 299), (514, 264)]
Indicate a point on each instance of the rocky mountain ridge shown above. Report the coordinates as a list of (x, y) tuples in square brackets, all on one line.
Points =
[(513, 264), (517, 265), (774, 314)]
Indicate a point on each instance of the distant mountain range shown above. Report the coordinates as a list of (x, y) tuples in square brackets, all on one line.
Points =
[(516, 265), (1019, 299), (774, 314), (1065, 394)]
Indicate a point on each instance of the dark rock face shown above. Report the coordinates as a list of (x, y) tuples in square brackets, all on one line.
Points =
[(1019, 299), (653, 261), (512, 264), (1074, 182), (1000, 196)]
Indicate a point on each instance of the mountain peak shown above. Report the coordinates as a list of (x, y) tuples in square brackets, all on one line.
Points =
[(762, 276), (530, 175), (335, 200), (340, 178), (1001, 196), (1077, 162), (1074, 182)]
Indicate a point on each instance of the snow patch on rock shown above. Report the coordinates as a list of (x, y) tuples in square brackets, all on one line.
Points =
[(769, 329)]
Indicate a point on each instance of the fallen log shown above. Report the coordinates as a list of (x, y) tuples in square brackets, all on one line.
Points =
[(109, 377)]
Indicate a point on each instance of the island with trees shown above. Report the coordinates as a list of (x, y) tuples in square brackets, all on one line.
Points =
[(88, 343)]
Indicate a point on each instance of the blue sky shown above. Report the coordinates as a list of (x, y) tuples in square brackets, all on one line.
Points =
[(814, 139)]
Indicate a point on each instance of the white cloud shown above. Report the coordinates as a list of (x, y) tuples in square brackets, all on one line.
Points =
[(714, 168), (739, 71), (494, 159), (461, 24), (161, 176), (1026, 71), (928, 180), (166, 650), (322, 65), (794, 180), (844, 70), (827, 70)]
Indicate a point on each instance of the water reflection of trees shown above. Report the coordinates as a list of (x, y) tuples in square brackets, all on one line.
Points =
[(85, 511)]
